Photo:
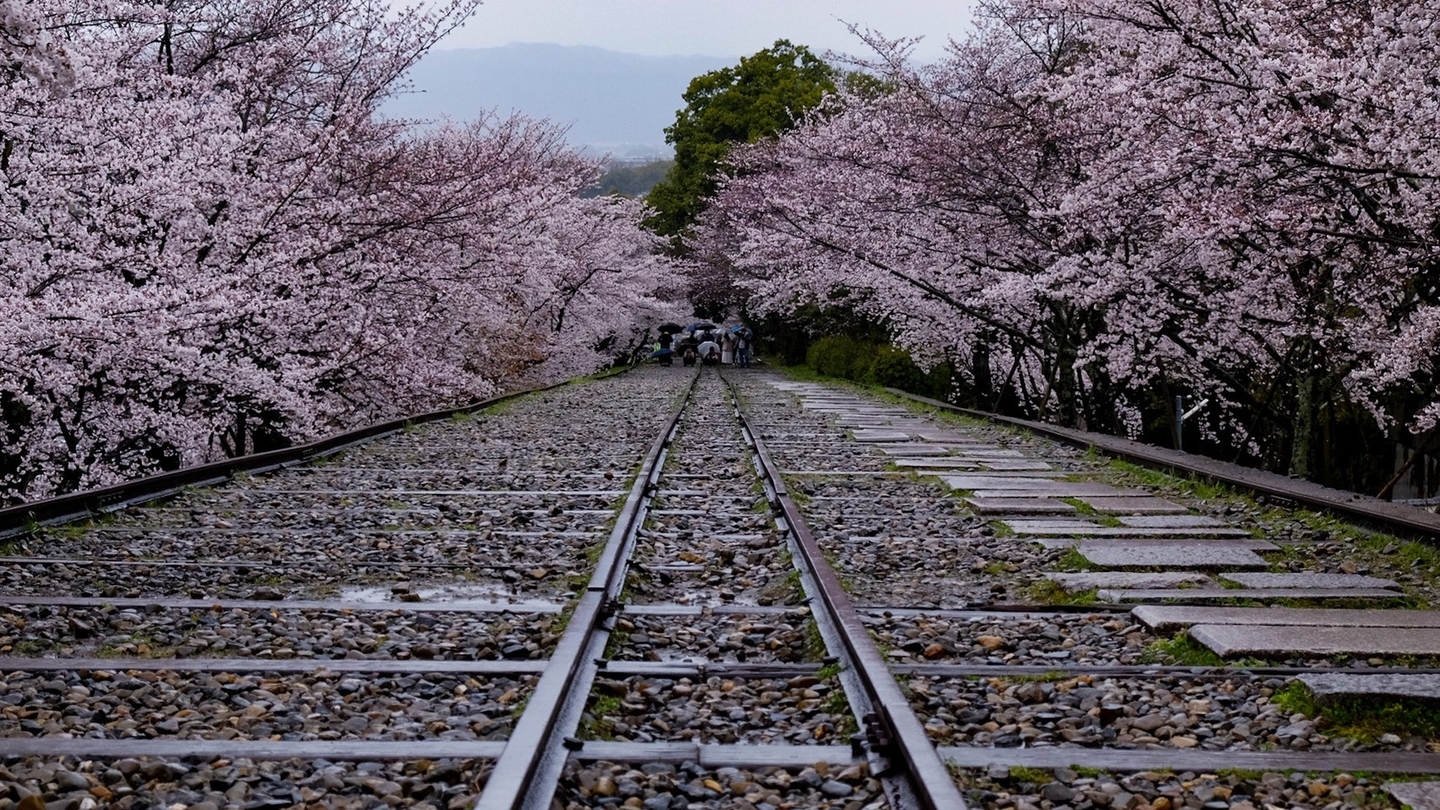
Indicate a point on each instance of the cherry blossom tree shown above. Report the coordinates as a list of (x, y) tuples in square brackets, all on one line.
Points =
[(1093, 202), (214, 245)]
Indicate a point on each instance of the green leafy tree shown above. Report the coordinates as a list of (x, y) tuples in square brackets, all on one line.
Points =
[(764, 94)]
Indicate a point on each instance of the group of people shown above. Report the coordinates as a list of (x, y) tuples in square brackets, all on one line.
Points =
[(706, 344)]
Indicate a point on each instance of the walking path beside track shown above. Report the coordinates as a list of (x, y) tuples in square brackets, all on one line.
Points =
[(714, 589)]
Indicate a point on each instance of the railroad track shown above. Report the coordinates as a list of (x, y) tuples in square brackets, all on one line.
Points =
[(676, 590)]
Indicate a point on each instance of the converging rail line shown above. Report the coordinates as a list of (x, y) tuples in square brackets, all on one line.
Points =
[(720, 589)]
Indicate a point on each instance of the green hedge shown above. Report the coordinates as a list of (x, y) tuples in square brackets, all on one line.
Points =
[(877, 364)]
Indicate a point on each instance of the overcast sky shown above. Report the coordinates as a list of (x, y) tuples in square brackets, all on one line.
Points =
[(729, 28)]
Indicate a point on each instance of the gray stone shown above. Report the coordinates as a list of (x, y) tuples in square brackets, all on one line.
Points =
[(945, 437), (916, 449), (1136, 505), (1170, 521), (1177, 555), (855, 421), (946, 463), (984, 452), (1311, 581), (1227, 640), (1419, 795), (1087, 528), (1251, 543), (1057, 793), (1019, 506), (975, 482), (1156, 595), (1059, 489), (1148, 722), (1165, 618), (1328, 686), (836, 789), (1014, 466), (877, 435), (1086, 580), (70, 780)]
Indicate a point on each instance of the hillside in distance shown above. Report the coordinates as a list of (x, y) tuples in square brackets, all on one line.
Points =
[(612, 101)]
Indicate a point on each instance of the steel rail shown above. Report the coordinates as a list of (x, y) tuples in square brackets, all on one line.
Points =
[(892, 734), (23, 518), (528, 770), (1351, 504)]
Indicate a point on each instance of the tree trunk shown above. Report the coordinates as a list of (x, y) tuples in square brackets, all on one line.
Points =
[(1302, 426), (980, 369)]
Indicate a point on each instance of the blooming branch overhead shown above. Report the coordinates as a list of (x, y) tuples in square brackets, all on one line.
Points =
[(1090, 205), (213, 244)]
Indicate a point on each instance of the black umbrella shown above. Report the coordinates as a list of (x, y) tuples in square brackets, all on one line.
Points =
[(670, 328), (701, 326)]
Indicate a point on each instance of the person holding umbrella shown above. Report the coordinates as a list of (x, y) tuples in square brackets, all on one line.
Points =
[(663, 351)]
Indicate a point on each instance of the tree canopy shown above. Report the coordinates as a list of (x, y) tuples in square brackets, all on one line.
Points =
[(1091, 207), (766, 93)]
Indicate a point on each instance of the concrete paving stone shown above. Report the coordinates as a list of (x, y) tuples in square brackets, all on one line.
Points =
[(1019, 506), (1184, 556), (1336, 581), (1328, 686), (1417, 795), (1134, 506), (881, 436), (916, 449), (1231, 640), (1033, 485), (865, 424), (1160, 594), (1164, 618), (1170, 521), (1059, 489), (947, 437), (939, 463), (1086, 580), (982, 451), (1014, 466), (1251, 543), (997, 482), (1027, 527)]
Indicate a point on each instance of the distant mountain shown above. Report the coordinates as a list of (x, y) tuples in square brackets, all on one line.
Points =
[(614, 102)]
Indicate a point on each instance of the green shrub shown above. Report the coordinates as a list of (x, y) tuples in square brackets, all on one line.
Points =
[(841, 356), (893, 368), (863, 361)]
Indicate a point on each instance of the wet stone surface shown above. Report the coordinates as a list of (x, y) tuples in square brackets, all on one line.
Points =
[(1056, 639), (1030, 789), (664, 786), (690, 570), (259, 706), (41, 631), (783, 638), (1222, 713), (803, 710), (141, 784), (534, 574)]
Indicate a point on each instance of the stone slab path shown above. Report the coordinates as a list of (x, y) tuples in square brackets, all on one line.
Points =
[(1192, 595), (1237, 640), (1088, 580), (1019, 506), (1168, 618), (1187, 557), (1327, 686), (1330, 581)]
